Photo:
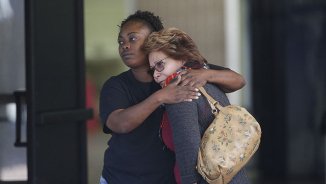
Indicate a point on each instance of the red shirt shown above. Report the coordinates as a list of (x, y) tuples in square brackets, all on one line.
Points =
[(168, 140)]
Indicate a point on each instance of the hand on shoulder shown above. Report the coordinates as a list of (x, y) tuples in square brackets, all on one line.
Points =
[(194, 78), (174, 93)]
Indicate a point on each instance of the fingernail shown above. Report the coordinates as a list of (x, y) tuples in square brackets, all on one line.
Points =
[(197, 97), (190, 100), (198, 94), (196, 89)]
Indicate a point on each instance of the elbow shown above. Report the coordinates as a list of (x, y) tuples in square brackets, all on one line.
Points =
[(119, 129), (122, 130), (242, 82), (117, 123), (117, 126), (239, 83)]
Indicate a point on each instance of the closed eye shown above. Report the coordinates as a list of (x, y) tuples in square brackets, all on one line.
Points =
[(160, 63)]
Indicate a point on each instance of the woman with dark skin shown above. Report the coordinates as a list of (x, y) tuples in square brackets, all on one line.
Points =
[(129, 108)]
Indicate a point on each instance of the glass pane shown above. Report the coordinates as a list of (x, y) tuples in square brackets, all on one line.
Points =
[(13, 160)]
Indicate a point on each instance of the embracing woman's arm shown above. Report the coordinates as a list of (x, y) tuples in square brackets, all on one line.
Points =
[(228, 80), (126, 120)]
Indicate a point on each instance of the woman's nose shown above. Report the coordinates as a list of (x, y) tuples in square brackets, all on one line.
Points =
[(156, 74), (126, 46)]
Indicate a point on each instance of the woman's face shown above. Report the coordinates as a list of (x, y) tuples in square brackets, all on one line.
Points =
[(170, 66), (131, 37)]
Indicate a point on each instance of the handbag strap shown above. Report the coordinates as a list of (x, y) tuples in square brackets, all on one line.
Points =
[(214, 104)]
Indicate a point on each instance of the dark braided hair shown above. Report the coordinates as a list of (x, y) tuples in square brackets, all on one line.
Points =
[(148, 18)]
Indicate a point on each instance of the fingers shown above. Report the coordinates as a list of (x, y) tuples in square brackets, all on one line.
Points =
[(177, 81), (187, 98), (177, 94), (185, 79), (184, 72), (189, 89), (190, 78), (194, 78), (197, 85), (191, 81), (193, 93), (190, 93)]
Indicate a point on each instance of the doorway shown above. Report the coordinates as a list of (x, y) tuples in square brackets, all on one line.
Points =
[(51, 96)]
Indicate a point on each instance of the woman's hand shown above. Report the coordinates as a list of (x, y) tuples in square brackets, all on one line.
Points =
[(194, 78), (174, 93), (126, 120)]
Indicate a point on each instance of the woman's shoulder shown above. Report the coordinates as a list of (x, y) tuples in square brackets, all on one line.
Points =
[(117, 82), (216, 92), (121, 78)]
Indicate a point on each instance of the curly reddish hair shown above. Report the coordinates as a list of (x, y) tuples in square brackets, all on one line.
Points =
[(174, 43)]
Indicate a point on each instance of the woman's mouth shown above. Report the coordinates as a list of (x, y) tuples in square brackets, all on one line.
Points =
[(161, 83), (126, 55)]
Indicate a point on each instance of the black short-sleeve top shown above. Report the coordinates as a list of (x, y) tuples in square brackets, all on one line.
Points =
[(137, 156)]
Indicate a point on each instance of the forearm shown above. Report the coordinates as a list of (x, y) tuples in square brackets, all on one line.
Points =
[(227, 80), (126, 120)]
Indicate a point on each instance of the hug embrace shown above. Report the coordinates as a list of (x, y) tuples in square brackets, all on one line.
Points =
[(154, 111)]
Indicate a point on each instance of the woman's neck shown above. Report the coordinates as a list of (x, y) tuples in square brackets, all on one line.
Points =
[(141, 75)]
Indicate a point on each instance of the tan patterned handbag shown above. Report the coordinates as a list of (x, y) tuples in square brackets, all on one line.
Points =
[(228, 143)]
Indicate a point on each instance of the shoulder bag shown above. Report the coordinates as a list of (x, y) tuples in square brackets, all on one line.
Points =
[(228, 143)]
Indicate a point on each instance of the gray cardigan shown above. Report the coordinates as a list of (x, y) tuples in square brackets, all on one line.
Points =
[(189, 121)]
